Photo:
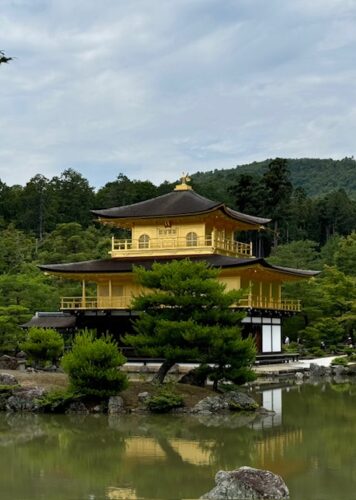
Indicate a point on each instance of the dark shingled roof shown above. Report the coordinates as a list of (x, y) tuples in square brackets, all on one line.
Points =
[(125, 264), (51, 321), (174, 204)]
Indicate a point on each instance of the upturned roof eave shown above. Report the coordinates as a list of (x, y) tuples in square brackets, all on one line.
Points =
[(249, 220), (101, 215), (222, 262)]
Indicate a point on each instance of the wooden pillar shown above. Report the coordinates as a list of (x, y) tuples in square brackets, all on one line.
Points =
[(250, 293), (261, 292), (110, 293), (83, 294), (271, 295)]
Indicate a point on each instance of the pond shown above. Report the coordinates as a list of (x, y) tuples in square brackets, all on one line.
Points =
[(310, 441)]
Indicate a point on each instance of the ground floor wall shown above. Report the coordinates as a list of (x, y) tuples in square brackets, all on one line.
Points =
[(267, 332)]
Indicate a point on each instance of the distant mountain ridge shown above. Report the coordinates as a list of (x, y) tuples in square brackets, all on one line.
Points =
[(316, 176)]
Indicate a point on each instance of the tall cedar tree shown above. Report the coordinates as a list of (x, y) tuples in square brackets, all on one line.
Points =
[(278, 192), (187, 316)]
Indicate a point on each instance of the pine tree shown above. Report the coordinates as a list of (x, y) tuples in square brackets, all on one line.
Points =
[(187, 316)]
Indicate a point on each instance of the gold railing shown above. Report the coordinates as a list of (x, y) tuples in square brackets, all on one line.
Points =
[(124, 302), (173, 243), (267, 303), (72, 303)]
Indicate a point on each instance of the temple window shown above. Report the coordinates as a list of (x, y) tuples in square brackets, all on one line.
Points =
[(192, 239), (144, 241)]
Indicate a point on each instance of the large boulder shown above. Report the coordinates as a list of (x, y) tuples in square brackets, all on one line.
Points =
[(351, 369), (247, 483), (116, 405), (211, 404), (232, 400), (239, 401), (8, 362), (8, 379), (318, 371), (25, 399)]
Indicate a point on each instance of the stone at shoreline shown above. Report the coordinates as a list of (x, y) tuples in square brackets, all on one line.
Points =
[(116, 405), (351, 369), (143, 397), (7, 379), (299, 375), (8, 362), (318, 371), (25, 399), (77, 407), (233, 400), (210, 404), (239, 401), (339, 370), (247, 483)]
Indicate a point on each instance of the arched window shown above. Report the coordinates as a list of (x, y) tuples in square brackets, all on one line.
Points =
[(144, 241), (192, 239)]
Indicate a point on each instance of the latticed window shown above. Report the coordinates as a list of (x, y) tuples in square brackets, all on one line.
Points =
[(144, 241), (192, 239)]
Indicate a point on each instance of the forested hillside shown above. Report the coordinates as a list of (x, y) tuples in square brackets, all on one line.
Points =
[(316, 176)]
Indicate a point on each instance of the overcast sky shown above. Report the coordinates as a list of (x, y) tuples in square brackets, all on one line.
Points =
[(152, 88)]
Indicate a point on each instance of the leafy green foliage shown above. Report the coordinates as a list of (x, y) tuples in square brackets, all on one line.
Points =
[(343, 361), (92, 366), (10, 332), (43, 345), (165, 401), (328, 308), (187, 317), (297, 254), (326, 330), (345, 255), (32, 290), (16, 249), (71, 243)]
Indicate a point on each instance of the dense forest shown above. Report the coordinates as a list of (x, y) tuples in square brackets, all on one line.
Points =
[(49, 220)]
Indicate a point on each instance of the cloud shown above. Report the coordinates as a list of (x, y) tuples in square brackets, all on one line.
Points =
[(154, 88)]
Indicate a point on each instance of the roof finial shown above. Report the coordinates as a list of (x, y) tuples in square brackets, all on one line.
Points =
[(183, 186)]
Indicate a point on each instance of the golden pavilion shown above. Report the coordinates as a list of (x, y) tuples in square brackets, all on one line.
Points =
[(178, 225)]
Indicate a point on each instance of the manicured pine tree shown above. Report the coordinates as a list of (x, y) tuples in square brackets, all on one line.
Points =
[(187, 316)]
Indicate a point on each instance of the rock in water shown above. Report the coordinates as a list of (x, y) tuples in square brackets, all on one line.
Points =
[(25, 399), (116, 405), (239, 401), (247, 483)]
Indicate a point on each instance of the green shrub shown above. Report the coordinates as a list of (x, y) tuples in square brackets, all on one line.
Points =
[(349, 350), (43, 345), (340, 361), (92, 366), (165, 401), (317, 351)]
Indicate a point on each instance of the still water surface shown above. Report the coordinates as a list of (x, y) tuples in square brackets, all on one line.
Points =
[(310, 442)]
